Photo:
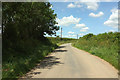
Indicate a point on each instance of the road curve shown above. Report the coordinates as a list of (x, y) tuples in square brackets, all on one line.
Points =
[(70, 62)]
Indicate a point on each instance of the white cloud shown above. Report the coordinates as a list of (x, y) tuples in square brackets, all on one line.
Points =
[(75, 4), (113, 19), (70, 32), (81, 34), (71, 5), (111, 31), (79, 25), (91, 5), (66, 21), (84, 29), (72, 35), (67, 36), (96, 15)]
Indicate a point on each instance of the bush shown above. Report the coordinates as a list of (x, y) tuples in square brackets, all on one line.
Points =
[(103, 45)]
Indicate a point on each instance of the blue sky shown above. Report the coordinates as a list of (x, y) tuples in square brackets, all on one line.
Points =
[(83, 18)]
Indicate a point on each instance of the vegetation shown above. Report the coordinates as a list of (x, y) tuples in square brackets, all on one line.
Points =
[(103, 45), (24, 45), (24, 26), (59, 41), (28, 20), (24, 57)]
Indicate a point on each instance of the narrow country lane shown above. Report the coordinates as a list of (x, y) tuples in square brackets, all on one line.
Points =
[(70, 62)]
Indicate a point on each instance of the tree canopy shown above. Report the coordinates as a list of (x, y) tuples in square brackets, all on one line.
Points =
[(28, 20)]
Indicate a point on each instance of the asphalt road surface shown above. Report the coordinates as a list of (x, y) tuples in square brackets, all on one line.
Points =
[(70, 62)]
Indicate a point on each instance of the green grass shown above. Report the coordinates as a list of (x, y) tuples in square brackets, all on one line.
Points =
[(21, 57), (103, 45), (58, 40)]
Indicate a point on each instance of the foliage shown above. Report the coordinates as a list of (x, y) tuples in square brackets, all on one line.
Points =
[(24, 26), (88, 36), (20, 61), (60, 41), (28, 20), (26, 55), (103, 45)]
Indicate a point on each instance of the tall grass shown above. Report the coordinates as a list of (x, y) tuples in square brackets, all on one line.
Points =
[(103, 45), (23, 56)]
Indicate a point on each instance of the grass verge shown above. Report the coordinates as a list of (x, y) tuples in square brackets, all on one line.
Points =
[(103, 45), (23, 56)]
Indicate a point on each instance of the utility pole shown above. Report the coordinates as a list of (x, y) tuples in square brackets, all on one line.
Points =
[(77, 36), (61, 33)]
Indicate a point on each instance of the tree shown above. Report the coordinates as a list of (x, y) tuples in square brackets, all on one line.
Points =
[(88, 36), (28, 20)]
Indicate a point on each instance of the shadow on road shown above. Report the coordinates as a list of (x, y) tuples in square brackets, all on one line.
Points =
[(60, 51), (47, 63), (61, 46)]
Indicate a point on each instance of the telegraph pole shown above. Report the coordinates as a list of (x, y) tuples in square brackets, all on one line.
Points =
[(77, 36), (61, 33)]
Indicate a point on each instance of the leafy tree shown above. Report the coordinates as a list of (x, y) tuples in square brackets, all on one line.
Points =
[(28, 20), (88, 36)]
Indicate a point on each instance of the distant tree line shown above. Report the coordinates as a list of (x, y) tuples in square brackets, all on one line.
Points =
[(113, 36)]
